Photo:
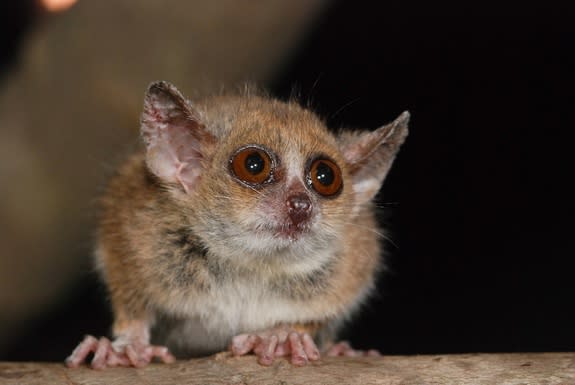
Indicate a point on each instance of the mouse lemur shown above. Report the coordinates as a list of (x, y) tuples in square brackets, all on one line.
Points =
[(242, 224)]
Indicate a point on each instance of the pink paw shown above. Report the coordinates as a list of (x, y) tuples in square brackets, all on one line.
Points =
[(344, 349), (278, 342), (107, 354)]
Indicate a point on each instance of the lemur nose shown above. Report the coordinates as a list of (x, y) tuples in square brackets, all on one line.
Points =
[(299, 208)]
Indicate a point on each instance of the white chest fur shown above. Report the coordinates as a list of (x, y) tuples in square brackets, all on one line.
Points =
[(207, 323)]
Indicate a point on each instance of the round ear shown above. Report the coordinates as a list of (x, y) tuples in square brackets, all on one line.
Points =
[(173, 135), (369, 155)]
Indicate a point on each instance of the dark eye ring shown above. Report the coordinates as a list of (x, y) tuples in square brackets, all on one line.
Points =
[(252, 165), (324, 177)]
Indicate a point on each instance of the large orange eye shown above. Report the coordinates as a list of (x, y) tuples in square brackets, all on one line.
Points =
[(324, 177), (252, 165)]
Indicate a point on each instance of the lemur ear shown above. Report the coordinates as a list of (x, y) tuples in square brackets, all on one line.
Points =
[(174, 136), (370, 155)]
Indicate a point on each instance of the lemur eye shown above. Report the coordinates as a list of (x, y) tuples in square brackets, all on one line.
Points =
[(251, 165), (324, 176)]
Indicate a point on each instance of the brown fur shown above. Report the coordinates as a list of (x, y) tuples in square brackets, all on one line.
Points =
[(160, 246)]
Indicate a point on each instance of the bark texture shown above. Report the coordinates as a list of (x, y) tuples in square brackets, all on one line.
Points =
[(520, 368)]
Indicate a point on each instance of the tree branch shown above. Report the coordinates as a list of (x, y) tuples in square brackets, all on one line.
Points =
[(519, 368)]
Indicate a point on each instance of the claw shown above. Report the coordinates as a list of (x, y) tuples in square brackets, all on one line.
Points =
[(107, 355), (279, 342), (266, 353), (78, 356), (344, 349), (298, 355), (243, 344), (310, 347)]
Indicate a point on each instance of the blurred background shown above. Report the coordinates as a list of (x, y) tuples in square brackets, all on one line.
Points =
[(479, 204)]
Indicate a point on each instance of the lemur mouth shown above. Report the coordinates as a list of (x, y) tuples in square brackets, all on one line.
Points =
[(290, 231), (286, 231)]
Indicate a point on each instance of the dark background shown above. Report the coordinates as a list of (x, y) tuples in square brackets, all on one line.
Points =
[(479, 203)]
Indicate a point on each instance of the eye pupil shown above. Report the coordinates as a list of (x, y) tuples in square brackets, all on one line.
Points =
[(324, 174), (254, 163)]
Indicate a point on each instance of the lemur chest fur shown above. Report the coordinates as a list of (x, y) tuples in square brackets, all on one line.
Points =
[(244, 297)]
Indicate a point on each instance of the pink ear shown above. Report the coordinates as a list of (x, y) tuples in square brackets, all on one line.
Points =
[(173, 135), (370, 155)]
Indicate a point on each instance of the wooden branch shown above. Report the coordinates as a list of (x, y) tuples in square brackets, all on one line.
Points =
[(521, 368)]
